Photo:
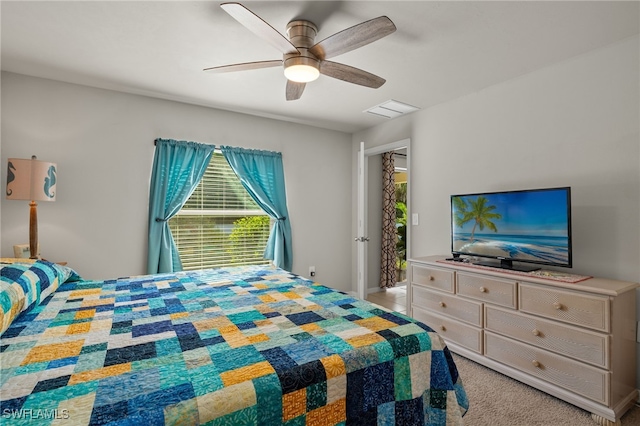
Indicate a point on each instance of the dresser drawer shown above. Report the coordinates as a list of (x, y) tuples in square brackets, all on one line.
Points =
[(441, 279), (575, 376), (487, 289), (451, 330), (583, 345), (581, 309), (447, 304)]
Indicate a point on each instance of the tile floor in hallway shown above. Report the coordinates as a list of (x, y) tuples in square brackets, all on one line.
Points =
[(394, 298)]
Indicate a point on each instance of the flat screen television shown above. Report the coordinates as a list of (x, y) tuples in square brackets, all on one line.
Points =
[(527, 226)]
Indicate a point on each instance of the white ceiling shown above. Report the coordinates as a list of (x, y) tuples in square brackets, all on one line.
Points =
[(442, 49)]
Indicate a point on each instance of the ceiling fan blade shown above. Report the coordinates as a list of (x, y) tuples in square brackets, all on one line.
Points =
[(351, 74), (353, 37), (259, 27), (294, 90), (245, 66)]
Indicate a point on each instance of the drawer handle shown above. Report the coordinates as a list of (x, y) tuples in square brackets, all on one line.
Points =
[(442, 304), (536, 332), (558, 305), (483, 290), (536, 364), (443, 328), (432, 278)]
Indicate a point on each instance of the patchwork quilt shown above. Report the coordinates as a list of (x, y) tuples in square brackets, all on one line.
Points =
[(232, 346)]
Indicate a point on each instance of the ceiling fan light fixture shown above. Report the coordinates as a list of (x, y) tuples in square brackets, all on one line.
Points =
[(301, 73), (301, 69)]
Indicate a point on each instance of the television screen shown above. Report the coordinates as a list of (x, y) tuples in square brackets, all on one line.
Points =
[(531, 226)]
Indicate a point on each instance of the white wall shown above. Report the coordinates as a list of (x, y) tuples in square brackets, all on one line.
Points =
[(574, 124), (103, 143)]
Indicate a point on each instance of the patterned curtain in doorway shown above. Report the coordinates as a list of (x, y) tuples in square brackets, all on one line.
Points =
[(389, 233)]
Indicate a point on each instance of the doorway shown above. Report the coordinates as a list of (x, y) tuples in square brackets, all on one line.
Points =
[(369, 212)]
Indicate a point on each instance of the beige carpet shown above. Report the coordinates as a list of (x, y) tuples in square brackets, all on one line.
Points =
[(497, 400)]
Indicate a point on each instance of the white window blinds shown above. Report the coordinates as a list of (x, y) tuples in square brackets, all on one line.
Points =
[(220, 224)]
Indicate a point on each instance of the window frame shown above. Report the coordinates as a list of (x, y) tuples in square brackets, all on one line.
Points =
[(203, 234)]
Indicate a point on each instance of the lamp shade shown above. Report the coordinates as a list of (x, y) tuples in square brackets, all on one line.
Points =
[(301, 69), (31, 180), (301, 73)]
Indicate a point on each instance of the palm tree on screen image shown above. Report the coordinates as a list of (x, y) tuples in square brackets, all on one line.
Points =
[(478, 211), (460, 211)]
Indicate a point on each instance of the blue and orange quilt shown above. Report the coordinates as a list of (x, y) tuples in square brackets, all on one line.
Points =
[(231, 346)]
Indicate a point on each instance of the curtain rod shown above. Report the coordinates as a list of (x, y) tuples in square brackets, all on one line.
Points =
[(155, 142)]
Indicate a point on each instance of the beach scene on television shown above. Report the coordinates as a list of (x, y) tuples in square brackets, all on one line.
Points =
[(522, 225)]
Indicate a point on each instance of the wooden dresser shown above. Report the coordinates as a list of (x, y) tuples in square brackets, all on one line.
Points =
[(575, 341)]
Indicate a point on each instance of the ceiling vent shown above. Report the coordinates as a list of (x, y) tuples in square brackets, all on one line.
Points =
[(391, 109)]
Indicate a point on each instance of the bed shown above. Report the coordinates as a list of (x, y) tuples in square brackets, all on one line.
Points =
[(252, 345)]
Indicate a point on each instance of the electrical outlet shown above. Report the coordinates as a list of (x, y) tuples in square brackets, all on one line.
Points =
[(312, 271)]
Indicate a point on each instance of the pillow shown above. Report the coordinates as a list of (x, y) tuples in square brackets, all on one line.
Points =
[(25, 282)]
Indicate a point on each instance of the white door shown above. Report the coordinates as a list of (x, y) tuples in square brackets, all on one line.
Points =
[(361, 239)]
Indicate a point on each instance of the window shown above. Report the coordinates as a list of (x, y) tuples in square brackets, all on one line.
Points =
[(220, 224)]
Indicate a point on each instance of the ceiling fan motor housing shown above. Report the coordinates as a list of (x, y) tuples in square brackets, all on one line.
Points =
[(302, 35)]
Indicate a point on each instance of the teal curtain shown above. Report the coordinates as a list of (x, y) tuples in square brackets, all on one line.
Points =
[(262, 175), (178, 166)]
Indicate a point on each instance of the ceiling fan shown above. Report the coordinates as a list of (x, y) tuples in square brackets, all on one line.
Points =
[(303, 60)]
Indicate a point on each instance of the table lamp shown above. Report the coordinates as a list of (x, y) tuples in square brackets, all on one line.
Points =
[(32, 180)]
